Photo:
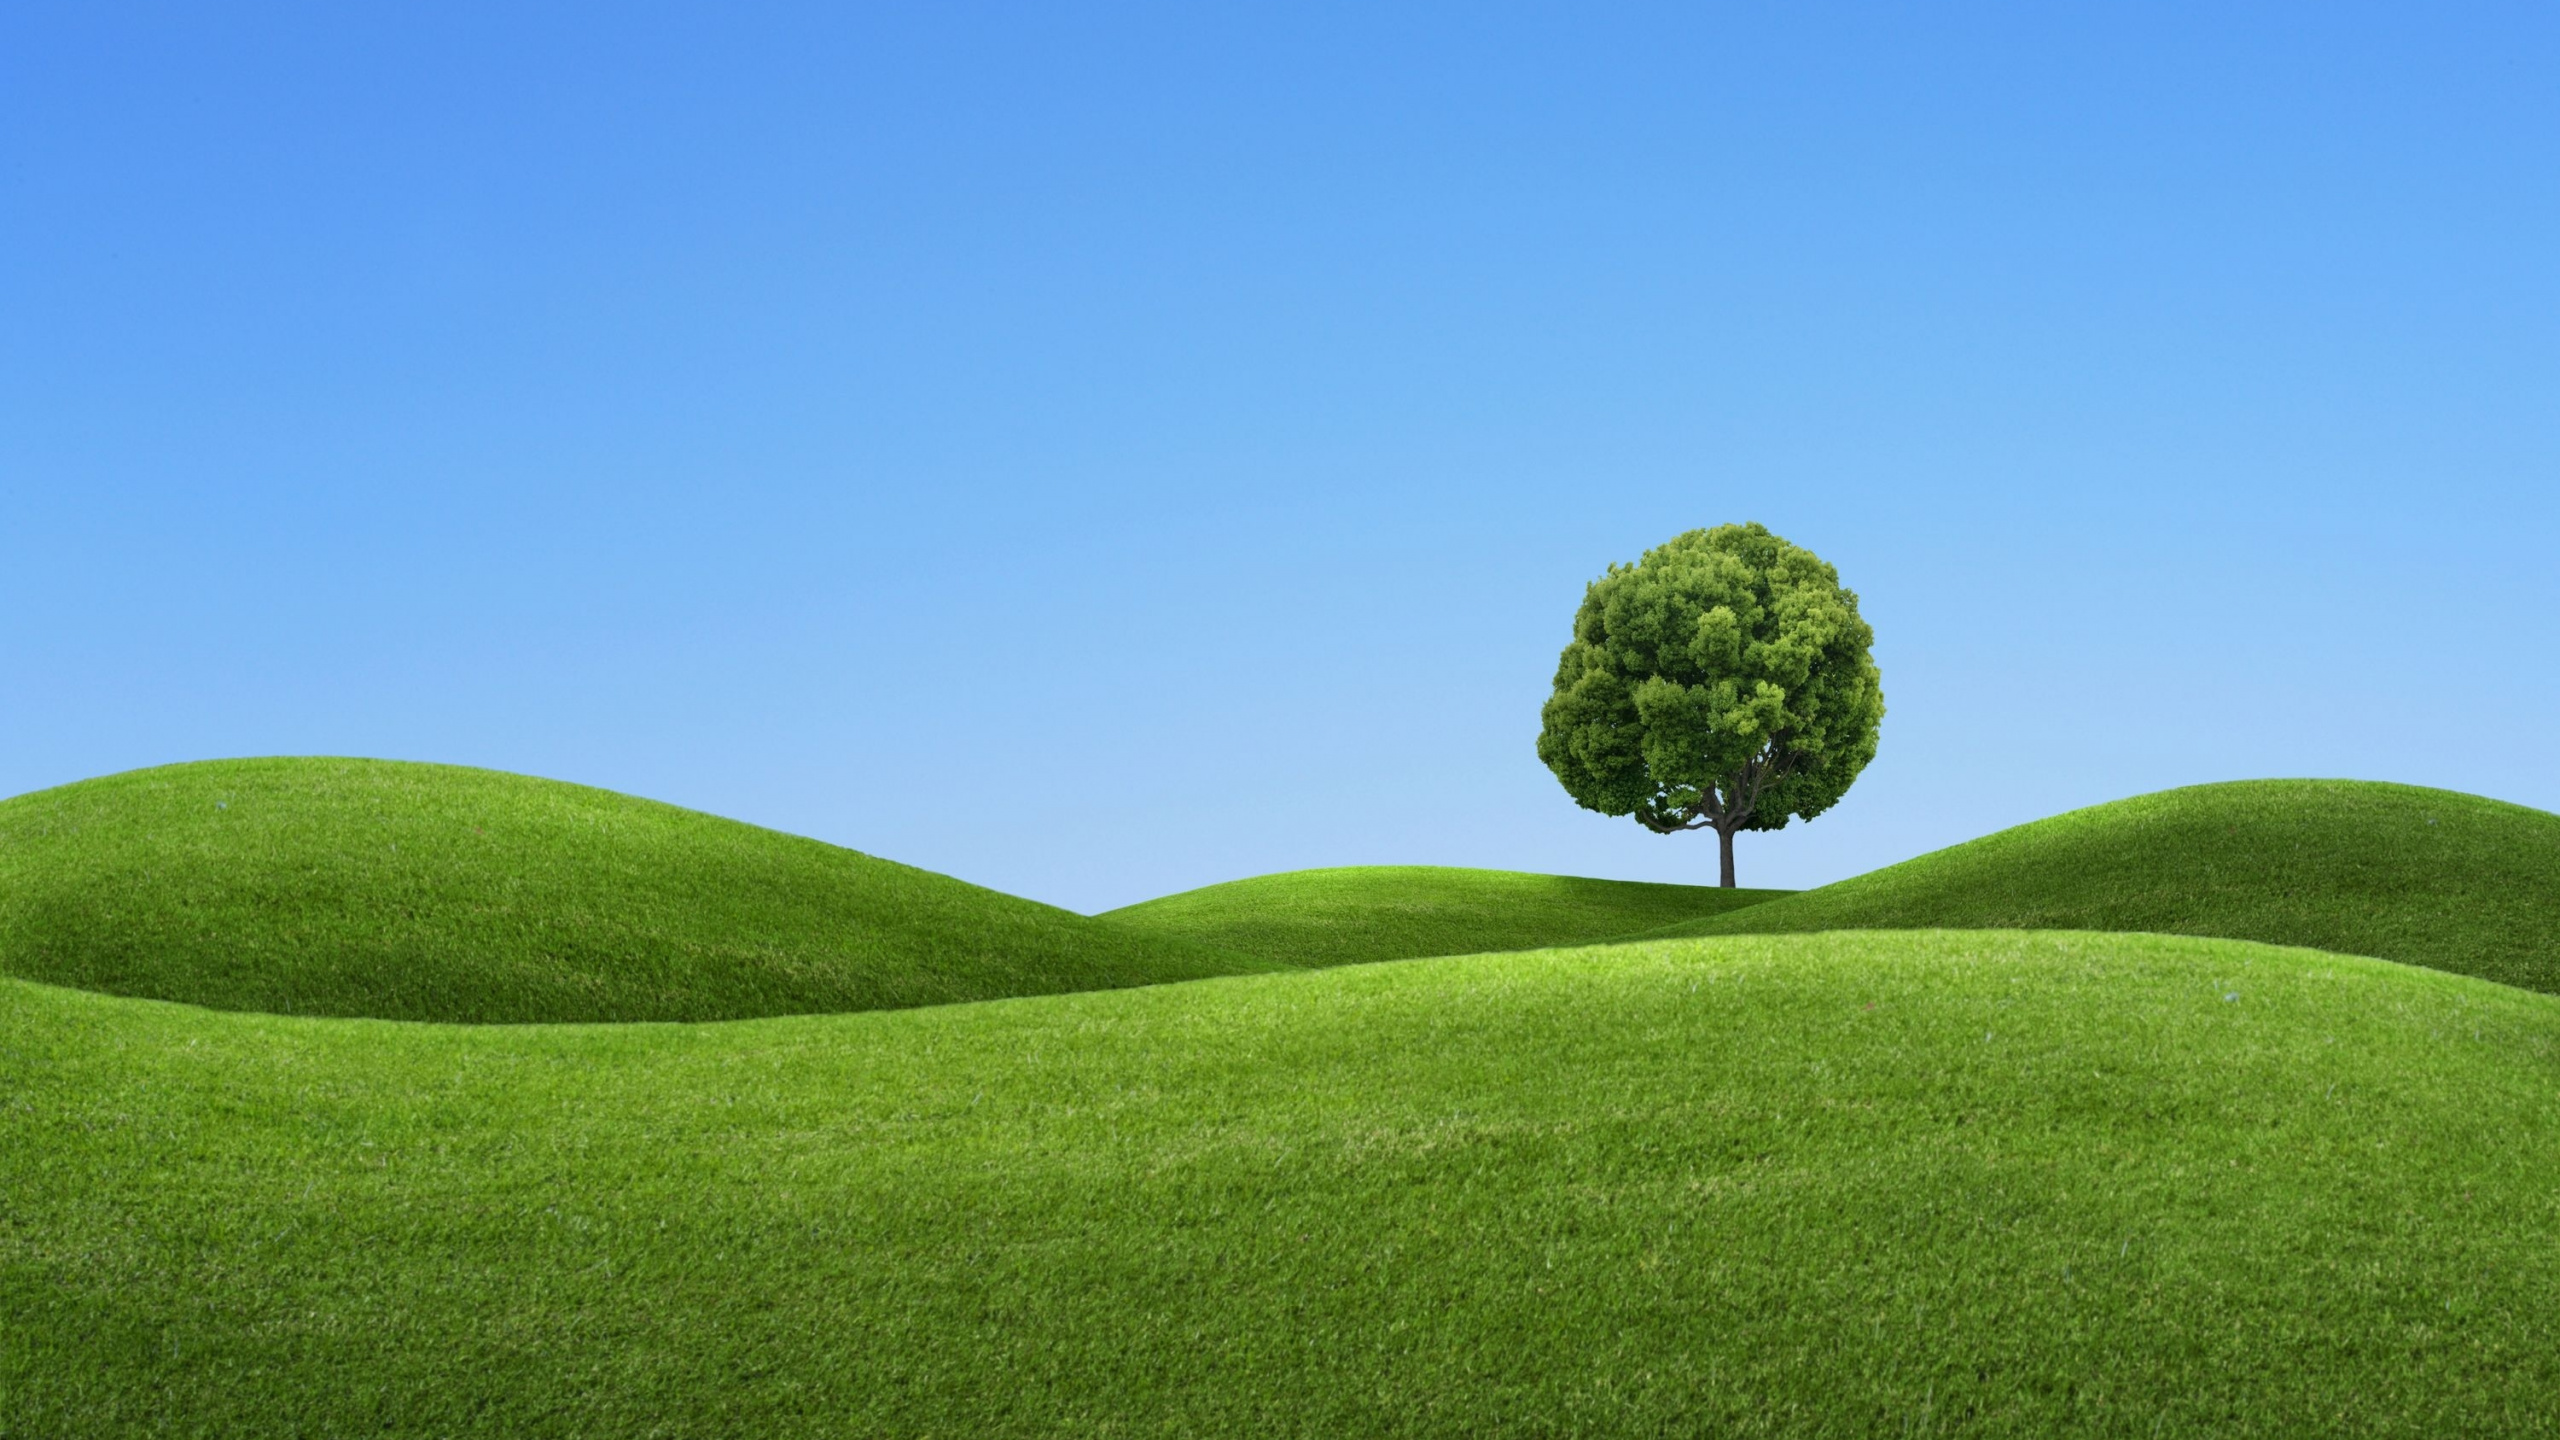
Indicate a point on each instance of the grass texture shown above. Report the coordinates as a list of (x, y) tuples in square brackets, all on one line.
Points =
[(431, 892), (1398, 912), (2428, 877), (1860, 1184)]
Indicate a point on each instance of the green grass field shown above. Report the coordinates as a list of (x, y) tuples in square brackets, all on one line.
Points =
[(1399, 912), (431, 892), (1965, 1165), (2429, 877), (1868, 1184)]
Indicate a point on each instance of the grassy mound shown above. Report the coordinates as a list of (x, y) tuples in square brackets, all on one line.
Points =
[(2428, 877), (1398, 912), (359, 887), (2009, 1183)]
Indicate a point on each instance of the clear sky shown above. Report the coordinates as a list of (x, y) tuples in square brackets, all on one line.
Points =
[(1099, 450)]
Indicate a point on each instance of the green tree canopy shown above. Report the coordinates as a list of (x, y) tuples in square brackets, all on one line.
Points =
[(1722, 682)]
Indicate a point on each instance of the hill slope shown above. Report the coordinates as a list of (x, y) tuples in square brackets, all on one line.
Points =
[(2428, 877), (432, 892), (2008, 1184), (1398, 912)]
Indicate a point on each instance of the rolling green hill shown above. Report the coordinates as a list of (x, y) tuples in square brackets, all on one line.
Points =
[(432, 892), (1988, 1183), (1397, 912), (2429, 877)]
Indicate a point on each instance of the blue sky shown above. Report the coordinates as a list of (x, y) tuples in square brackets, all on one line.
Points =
[(1095, 451)]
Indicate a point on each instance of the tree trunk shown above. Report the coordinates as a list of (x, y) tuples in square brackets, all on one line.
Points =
[(1724, 847)]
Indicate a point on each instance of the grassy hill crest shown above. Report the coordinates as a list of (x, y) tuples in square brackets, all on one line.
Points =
[(434, 892), (1356, 913), (2426, 877)]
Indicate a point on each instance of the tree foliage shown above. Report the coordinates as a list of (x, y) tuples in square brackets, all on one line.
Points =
[(1722, 682)]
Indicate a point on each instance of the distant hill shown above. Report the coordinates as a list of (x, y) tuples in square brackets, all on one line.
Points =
[(433, 892), (2429, 877), (1397, 912)]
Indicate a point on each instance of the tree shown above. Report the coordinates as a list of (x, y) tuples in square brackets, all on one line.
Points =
[(1721, 682)]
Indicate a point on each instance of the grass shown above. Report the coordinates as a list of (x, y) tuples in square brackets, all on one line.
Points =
[(1398, 912), (431, 892), (1993, 1183), (2428, 877), (2016, 1180)]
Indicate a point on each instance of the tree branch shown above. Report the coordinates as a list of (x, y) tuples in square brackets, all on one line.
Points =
[(1743, 789)]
